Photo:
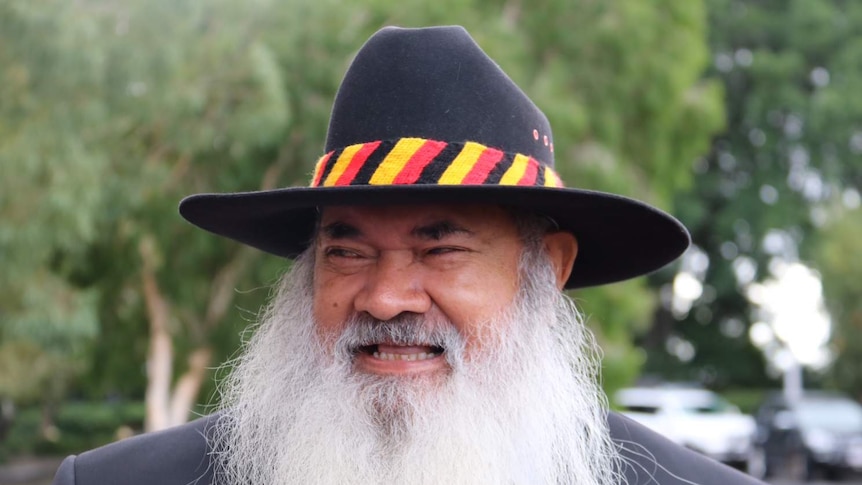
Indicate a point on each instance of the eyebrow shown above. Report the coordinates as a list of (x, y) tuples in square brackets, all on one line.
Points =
[(341, 230), (434, 231), (438, 230)]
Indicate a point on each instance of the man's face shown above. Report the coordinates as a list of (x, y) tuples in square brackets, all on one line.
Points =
[(441, 262), (448, 355)]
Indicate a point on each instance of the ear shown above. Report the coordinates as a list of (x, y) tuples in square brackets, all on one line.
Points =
[(562, 248)]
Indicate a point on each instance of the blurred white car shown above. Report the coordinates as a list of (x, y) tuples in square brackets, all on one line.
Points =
[(695, 418), (817, 433)]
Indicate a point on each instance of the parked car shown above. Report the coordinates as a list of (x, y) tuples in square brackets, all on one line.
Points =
[(698, 419), (816, 434)]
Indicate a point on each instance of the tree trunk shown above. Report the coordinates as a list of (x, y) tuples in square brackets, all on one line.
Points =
[(160, 355), (188, 386), (166, 407)]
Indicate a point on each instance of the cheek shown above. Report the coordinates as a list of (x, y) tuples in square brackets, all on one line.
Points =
[(330, 306), (474, 301)]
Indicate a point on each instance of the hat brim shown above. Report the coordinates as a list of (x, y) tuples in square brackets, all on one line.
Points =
[(618, 237)]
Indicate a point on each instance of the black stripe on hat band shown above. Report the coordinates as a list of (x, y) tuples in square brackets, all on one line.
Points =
[(433, 171), (540, 176), (499, 170), (372, 162)]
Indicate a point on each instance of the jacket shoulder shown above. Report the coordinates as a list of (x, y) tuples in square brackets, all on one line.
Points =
[(650, 458), (175, 456)]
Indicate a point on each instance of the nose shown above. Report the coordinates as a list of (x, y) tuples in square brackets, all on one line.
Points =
[(394, 286)]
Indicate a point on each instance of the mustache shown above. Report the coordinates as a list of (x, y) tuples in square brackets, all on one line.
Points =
[(363, 330)]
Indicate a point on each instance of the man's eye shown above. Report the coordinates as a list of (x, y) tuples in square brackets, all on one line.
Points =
[(437, 251), (342, 253)]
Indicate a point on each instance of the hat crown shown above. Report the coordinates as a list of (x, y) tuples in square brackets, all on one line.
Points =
[(424, 116), (435, 83)]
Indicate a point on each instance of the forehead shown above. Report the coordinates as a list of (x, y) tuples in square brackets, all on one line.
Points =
[(478, 219)]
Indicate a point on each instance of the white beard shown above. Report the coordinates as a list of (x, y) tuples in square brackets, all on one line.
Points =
[(527, 410)]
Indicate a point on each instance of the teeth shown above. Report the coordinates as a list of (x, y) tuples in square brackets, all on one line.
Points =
[(408, 357)]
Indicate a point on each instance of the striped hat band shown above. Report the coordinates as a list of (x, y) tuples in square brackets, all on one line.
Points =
[(416, 161)]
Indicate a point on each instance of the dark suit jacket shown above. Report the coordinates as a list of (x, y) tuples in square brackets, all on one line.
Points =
[(179, 456)]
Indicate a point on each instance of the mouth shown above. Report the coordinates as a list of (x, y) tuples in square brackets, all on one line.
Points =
[(401, 352), (389, 358)]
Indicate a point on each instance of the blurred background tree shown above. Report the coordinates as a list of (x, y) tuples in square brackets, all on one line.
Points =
[(762, 193), (841, 271), (49, 197), (111, 113)]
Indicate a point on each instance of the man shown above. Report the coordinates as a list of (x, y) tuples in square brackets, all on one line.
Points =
[(421, 335)]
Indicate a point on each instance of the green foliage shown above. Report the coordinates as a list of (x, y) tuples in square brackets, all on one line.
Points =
[(614, 313), (622, 83), (110, 116), (78, 426), (842, 285), (790, 71), (48, 196)]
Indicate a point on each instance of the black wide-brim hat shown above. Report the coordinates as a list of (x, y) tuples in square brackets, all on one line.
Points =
[(425, 116)]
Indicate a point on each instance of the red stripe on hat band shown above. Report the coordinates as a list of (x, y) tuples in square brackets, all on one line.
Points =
[(321, 167), (340, 168), (530, 173), (486, 162), (357, 162), (423, 156)]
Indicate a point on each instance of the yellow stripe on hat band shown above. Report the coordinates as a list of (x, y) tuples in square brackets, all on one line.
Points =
[(516, 171), (391, 166), (341, 164), (318, 167), (551, 178), (463, 163)]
